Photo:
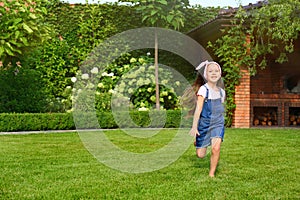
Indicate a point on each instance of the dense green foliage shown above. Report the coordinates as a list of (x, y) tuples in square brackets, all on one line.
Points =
[(254, 164), (161, 13), (36, 121), (75, 30), (22, 26), (59, 58), (22, 90)]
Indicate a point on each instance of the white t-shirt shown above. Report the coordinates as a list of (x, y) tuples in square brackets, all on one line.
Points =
[(212, 94)]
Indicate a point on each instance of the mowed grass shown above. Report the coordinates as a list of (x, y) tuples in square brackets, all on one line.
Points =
[(255, 164)]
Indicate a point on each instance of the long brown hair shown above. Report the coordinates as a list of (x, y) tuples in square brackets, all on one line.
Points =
[(189, 98), (198, 83)]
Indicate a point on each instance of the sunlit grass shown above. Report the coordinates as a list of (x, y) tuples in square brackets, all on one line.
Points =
[(255, 164)]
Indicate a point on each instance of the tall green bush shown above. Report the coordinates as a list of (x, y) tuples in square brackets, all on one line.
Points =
[(21, 91), (59, 58)]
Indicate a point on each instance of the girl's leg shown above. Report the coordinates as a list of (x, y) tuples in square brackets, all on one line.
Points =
[(201, 152), (215, 155)]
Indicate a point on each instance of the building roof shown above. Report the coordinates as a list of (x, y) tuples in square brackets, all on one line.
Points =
[(211, 30)]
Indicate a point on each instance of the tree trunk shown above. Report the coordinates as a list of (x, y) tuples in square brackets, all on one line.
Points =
[(156, 72)]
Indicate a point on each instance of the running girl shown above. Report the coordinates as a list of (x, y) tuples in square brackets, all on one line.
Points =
[(208, 122)]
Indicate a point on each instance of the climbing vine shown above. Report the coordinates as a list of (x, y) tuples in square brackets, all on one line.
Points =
[(254, 34)]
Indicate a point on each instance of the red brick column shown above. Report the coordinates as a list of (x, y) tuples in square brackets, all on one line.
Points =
[(241, 117)]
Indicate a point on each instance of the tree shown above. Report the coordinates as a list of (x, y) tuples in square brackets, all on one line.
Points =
[(22, 27), (161, 13), (253, 36)]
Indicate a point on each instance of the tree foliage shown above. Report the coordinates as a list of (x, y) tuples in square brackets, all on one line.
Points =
[(197, 15), (274, 28), (162, 13), (22, 26)]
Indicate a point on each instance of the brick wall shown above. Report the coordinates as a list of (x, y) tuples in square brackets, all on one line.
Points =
[(268, 88), (241, 118), (261, 83)]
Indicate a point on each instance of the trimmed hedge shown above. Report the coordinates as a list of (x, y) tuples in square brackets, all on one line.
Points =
[(36, 121), (106, 120)]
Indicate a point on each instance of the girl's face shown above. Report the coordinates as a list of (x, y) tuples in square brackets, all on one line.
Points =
[(213, 73)]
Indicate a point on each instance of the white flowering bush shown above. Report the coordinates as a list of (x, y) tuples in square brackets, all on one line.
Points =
[(134, 80), (139, 86)]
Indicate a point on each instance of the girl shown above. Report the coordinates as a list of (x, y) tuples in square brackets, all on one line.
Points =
[(208, 122)]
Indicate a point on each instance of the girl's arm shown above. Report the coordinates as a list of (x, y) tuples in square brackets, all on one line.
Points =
[(198, 110)]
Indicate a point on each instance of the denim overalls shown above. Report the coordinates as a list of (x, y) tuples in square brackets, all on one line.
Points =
[(211, 121)]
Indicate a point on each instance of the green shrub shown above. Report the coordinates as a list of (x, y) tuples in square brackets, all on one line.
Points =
[(106, 120), (21, 90)]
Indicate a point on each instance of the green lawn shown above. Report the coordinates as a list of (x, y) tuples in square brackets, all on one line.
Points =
[(255, 164)]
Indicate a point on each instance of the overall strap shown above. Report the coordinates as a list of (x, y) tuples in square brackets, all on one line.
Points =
[(221, 94), (206, 92)]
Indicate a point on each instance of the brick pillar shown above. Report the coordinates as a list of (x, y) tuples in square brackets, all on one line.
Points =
[(241, 117)]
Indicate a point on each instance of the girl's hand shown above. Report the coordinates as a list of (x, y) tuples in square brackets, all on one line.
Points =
[(194, 132)]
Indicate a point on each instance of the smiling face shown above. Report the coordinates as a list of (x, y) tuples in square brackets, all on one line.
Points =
[(213, 73)]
